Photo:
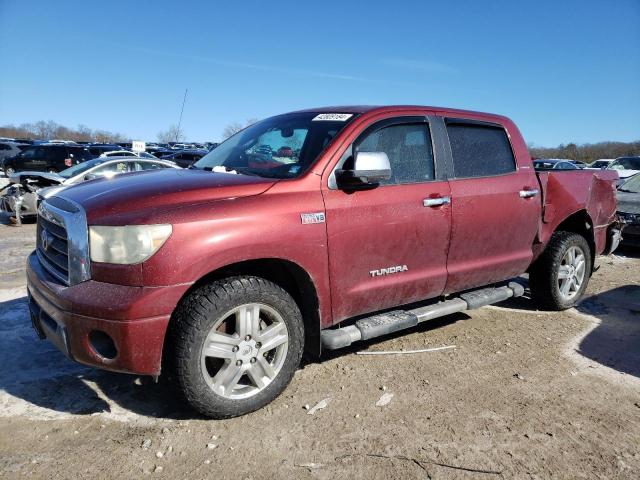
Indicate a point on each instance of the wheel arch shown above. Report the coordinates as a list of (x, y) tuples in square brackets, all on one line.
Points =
[(580, 222), (288, 275)]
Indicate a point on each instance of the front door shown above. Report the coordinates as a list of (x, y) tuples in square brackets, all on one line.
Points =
[(388, 245)]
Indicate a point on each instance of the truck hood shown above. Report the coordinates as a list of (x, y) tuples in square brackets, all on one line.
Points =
[(628, 202), (136, 197)]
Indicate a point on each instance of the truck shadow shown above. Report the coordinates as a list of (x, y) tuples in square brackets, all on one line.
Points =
[(615, 341)]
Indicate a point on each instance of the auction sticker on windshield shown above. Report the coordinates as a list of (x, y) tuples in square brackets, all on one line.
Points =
[(335, 117)]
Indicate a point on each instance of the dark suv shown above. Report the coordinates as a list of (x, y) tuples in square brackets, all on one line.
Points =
[(46, 158)]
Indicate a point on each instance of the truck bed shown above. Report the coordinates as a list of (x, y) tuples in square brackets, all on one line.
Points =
[(565, 193)]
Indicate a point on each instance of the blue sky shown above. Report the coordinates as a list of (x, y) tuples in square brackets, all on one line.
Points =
[(565, 71)]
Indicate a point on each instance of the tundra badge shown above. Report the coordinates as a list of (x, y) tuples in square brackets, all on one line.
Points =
[(388, 270), (312, 218)]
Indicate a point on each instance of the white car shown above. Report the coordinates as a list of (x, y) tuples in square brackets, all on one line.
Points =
[(126, 153), (600, 164), (29, 187), (625, 166)]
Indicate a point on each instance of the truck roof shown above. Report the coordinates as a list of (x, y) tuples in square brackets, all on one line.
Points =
[(391, 108)]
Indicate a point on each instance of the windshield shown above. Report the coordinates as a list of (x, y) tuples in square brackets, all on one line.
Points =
[(632, 184), (279, 147), (81, 167), (626, 163)]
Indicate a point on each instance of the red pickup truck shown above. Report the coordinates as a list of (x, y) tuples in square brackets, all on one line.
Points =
[(224, 274)]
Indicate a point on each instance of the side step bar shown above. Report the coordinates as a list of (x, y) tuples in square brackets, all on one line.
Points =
[(389, 322)]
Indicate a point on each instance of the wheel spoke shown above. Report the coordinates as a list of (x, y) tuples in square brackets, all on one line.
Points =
[(580, 268), (565, 287), (248, 320), (571, 256), (219, 345), (227, 378), (273, 336), (261, 372), (563, 272)]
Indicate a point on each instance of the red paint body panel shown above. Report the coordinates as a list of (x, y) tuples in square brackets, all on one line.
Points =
[(487, 234), (386, 227), (129, 315), (568, 192)]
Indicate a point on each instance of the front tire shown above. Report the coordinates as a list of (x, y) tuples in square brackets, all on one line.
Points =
[(560, 276), (234, 345)]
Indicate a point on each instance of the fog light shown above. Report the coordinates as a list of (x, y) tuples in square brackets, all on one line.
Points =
[(103, 344)]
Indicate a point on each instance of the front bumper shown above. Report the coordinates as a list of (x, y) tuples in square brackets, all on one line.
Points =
[(114, 327)]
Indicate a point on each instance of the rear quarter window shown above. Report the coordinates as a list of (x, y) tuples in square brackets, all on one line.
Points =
[(479, 150)]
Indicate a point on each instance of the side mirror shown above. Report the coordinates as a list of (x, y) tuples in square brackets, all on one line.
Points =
[(369, 169), (90, 176)]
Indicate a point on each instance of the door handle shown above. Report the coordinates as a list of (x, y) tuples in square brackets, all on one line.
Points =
[(529, 193), (436, 202)]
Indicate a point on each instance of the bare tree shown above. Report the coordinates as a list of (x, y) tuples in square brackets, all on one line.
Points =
[(231, 129), (49, 130), (235, 127), (171, 134)]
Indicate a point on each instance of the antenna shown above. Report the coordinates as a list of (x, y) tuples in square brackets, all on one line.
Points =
[(184, 100)]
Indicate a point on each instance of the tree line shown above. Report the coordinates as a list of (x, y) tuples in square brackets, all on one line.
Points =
[(587, 152), (51, 130)]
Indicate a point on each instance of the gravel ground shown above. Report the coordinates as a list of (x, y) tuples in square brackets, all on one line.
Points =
[(525, 394)]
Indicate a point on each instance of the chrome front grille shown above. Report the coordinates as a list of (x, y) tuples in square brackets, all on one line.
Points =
[(52, 248), (62, 240)]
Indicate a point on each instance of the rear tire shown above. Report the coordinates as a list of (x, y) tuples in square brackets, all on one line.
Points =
[(234, 345), (8, 171), (560, 276)]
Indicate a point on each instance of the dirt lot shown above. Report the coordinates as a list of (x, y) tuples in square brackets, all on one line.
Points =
[(525, 394)]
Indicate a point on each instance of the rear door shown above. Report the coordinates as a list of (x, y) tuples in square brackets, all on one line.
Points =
[(495, 207), (388, 245)]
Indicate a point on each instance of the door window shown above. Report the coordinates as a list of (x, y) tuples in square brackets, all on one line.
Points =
[(479, 150), (29, 153), (409, 149), (140, 166), (111, 169)]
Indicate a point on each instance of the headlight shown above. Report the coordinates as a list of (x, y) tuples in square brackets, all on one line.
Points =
[(126, 245)]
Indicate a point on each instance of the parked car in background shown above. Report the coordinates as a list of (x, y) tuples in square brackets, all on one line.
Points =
[(602, 163), (185, 158), (97, 150), (625, 166), (33, 186), (553, 164), (46, 157), (579, 163), (126, 153), (158, 152), (629, 209), (8, 149)]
